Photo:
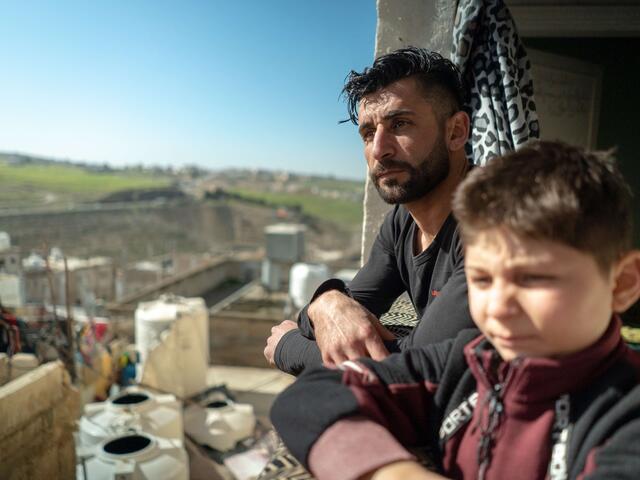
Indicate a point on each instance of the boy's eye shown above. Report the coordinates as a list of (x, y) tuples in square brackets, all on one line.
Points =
[(480, 281), (534, 278)]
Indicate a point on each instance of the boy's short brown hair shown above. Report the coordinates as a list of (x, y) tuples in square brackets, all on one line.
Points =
[(551, 191)]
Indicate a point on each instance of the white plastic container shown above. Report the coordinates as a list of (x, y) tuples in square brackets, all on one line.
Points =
[(153, 318), (304, 278), (131, 410), (220, 424), (172, 338), (134, 457)]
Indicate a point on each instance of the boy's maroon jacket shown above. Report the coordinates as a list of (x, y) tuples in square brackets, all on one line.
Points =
[(531, 418)]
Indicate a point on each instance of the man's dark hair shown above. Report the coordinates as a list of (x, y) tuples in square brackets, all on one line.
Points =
[(551, 191), (440, 79)]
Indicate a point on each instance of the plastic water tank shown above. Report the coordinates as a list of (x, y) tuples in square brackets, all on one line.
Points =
[(172, 338), (220, 424), (131, 410), (134, 456), (304, 278), (153, 318)]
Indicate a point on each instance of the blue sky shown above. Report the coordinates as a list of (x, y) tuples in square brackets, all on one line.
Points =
[(245, 83)]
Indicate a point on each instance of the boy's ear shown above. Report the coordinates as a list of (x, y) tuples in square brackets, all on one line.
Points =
[(627, 281)]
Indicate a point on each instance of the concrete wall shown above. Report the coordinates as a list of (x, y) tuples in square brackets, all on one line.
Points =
[(238, 338), (94, 281), (421, 23), (37, 419), (142, 230), (195, 282)]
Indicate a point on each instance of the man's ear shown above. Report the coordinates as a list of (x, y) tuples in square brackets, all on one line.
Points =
[(457, 130), (626, 288)]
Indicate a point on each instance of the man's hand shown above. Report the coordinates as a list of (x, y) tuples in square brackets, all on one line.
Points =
[(277, 332), (345, 330)]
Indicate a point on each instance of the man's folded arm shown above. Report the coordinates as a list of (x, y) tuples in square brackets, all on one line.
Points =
[(376, 285)]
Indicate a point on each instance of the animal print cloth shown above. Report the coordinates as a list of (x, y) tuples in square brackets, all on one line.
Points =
[(495, 67)]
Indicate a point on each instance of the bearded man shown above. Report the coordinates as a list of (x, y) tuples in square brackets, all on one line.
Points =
[(407, 106)]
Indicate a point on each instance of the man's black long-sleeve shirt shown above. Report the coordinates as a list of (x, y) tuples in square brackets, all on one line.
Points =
[(434, 280)]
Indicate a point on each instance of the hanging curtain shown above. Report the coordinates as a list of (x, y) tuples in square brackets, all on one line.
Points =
[(494, 64)]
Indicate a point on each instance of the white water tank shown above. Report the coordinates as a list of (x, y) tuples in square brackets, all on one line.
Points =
[(153, 318), (135, 456), (132, 409), (172, 339), (220, 424), (304, 278)]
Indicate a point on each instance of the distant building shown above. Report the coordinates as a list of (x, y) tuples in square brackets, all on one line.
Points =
[(89, 280)]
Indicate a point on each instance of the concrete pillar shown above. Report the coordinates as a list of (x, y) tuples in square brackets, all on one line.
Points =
[(421, 23)]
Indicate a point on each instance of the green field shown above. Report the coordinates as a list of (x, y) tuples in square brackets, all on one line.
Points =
[(39, 184), (343, 212), (51, 184), (350, 186)]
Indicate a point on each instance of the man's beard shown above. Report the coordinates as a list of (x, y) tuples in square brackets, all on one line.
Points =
[(422, 179)]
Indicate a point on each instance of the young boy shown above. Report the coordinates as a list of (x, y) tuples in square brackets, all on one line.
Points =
[(549, 390)]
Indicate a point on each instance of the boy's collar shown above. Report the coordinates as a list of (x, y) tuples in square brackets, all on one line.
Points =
[(537, 379)]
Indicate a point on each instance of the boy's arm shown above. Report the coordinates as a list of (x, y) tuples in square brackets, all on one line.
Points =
[(618, 457), (342, 424)]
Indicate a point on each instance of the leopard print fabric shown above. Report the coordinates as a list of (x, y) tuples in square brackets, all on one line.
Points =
[(494, 64)]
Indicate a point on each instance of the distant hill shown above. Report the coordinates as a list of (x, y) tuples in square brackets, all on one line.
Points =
[(27, 181)]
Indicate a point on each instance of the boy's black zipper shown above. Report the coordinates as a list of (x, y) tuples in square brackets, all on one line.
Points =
[(494, 405)]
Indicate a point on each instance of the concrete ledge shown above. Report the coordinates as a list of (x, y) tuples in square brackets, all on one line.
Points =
[(31, 394), (249, 379), (37, 417)]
